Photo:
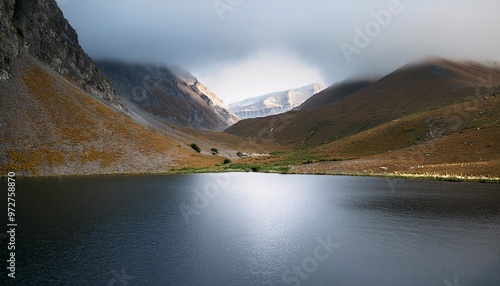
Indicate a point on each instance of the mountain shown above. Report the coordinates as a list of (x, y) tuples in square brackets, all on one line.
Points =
[(39, 29), (433, 117), (408, 90), (59, 115), (274, 103), (170, 93)]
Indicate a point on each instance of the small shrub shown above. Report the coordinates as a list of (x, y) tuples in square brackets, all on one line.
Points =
[(215, 151), (239, 154), (195, 148), (227, 161)]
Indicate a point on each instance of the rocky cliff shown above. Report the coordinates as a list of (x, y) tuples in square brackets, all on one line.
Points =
[(170, 93), (38, 28)]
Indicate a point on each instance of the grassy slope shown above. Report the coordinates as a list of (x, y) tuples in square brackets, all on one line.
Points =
[(50, 127), (461, 139)]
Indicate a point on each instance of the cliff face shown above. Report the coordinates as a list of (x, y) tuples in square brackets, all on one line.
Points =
[(169, 93), (38, 27), (8, 37)]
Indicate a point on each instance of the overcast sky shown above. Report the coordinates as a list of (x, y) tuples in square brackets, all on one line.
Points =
[(245, 48)]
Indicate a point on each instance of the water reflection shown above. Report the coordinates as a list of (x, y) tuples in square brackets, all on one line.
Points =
[(251, 229)]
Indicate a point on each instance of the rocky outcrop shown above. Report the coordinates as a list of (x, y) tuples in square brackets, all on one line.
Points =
[(170, 93), (38, 27), (8, 37)]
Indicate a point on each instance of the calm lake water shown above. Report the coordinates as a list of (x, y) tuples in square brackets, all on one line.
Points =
[(254, 229)]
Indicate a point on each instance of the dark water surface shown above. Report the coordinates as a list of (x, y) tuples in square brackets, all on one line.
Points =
[(254, 229)]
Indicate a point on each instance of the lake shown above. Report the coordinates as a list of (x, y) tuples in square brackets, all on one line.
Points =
[(254, 229)]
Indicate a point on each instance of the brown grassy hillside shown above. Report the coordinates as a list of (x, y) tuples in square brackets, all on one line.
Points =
[(469, 154), (51, 127), (460, 139)]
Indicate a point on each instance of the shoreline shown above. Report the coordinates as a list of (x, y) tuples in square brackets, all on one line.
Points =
[(427, 177)]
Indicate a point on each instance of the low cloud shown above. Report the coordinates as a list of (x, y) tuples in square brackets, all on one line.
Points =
[(306, 34), (260, 73)]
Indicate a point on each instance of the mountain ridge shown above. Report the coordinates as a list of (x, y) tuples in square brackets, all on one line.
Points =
[(40, 29)]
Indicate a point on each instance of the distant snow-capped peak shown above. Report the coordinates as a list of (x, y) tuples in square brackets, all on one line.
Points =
[(274, 103)]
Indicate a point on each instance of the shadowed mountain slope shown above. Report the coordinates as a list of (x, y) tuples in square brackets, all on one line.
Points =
[(169, 93), (333, 93)]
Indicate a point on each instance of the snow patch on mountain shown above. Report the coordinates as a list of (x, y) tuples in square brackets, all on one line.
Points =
[(274, 103)]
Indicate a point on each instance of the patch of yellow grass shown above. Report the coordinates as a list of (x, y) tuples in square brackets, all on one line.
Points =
[(105, 158), (447, 176), (31, 160)]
